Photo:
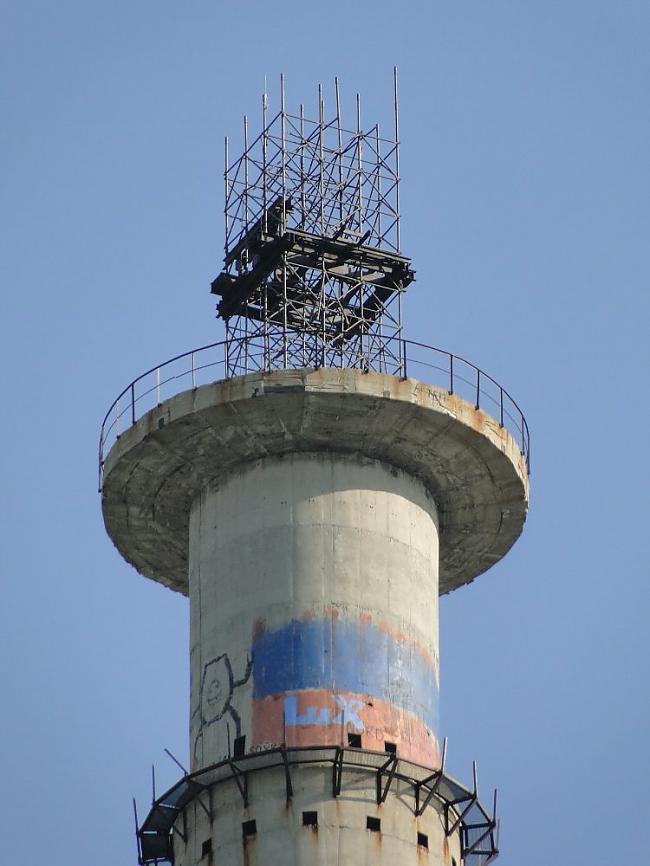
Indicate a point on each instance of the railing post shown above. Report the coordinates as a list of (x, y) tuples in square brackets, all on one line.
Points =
[(451, 373), (500, 406), (193, 372), (132, 402), (158, 385), (478, 388)]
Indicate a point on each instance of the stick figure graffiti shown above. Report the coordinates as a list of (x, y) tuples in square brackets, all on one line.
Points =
[(218, 684)]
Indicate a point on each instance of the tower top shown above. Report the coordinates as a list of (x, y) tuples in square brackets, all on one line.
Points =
[(313, 271)]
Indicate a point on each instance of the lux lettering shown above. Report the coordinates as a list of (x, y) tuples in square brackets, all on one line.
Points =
[(349, 714)]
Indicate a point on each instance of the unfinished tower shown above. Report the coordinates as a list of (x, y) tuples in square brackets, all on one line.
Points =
[(314, 482)]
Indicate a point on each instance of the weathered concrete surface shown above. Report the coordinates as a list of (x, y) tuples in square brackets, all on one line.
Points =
[(340, 838), (314, 608), (471, 466)]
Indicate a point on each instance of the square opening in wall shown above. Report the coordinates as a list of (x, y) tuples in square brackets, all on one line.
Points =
[(249, 828), (310, 819), (390, 748), (373, 824), (354, 740), (423, 840), (206, 848), (239, 747)]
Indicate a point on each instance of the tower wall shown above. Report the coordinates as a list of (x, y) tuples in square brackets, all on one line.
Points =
[(313, 583), (314, 517), (340, 836)]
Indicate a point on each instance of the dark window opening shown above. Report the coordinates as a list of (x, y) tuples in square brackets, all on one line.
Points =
[(239, 748), (423, 841), (354, 740), (248, 828), (310, 819), (390, 748), (373, 824), (206, 848)]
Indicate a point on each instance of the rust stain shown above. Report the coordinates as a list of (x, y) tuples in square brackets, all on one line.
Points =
[(259, 627), (248, 843), (365, 619)]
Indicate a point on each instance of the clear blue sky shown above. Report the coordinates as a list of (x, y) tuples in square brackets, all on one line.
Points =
[(526, 135)]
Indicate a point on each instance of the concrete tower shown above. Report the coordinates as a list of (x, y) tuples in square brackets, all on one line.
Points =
[(314, 499)]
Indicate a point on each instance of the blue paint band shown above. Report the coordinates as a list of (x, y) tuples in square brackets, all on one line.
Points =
[(342, 656)]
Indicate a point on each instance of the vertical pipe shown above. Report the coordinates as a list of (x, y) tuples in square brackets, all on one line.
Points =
[(225, 178), (284, 224), (321, 182), (399, 321), (321, 192), (132, 403), (158, 384), (322, 313), (478, 388), (397, 180), (284, 154), (302, 166), (360, 227), (339, 160), (246, 320), (378, 182), (451, 374), (340, 150), (359, 168), (285, 310), (193, 372), (265, 203), (246, 171)]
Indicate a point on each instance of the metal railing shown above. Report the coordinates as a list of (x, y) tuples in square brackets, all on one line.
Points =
[(210, 363), (459, 807)]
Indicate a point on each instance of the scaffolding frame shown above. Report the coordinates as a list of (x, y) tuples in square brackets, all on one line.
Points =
[(313, 272)]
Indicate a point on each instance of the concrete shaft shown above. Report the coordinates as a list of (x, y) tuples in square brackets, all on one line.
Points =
[(314, 609), (342, 836), (313, 517)]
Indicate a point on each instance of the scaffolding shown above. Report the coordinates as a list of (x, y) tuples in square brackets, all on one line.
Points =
[(313, 273)]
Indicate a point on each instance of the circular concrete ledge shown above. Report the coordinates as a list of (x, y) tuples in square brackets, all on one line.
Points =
[(471, 465)]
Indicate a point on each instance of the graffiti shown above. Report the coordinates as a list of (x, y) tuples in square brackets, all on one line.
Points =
[(218, 685), (263, 747), (349, 715), (349, 657)]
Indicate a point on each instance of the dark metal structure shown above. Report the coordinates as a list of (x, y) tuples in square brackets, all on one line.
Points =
[(461, 809), (313, 273)]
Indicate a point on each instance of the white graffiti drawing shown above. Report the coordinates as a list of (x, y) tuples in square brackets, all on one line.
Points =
[(349, 715)]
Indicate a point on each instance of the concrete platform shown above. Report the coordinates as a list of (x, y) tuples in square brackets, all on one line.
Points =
[(472, 466)]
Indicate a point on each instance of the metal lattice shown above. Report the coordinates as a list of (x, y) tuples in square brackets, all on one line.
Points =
[(313, 274)]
